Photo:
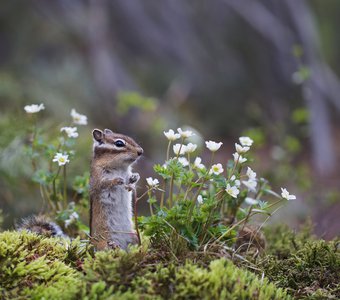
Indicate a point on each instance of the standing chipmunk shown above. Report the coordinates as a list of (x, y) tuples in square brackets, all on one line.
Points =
[(111, 182)]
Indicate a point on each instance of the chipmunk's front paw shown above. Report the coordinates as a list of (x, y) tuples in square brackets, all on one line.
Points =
[(134, 178), (118, 181)]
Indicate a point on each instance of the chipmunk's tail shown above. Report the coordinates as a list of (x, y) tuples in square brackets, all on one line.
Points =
[(41, 225)]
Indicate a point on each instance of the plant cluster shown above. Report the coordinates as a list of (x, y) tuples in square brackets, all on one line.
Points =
[(202, 207), (50, 156)]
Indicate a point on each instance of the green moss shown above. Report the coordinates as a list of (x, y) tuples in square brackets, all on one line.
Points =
[(35, 266), (115, 268), (132, 274), (222, 280), (282, 240), (304, 266)]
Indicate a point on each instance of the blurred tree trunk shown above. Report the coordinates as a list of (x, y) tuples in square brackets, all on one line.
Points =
[(285, 24), (109, 73)]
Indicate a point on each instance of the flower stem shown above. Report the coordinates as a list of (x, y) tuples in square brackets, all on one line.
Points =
[(273, 204), (211, 160), (180, 148), (208, 221), (150, 204), (34, 136), (65, 187), (168, 151), (54, 185), (146, 192), (151, 209), (171, 190), (192, 205), (234, 168), (163, 193)]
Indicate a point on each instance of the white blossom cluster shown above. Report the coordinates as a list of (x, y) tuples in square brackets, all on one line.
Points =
[(233, 184)]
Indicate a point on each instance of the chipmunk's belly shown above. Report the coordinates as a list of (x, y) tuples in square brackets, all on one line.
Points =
[(117, 208)]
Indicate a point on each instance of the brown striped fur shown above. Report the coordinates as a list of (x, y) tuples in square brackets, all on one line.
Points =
[(111, 180)]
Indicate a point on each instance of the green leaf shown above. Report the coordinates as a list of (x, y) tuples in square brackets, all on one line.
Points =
[(162, 171), (152, 200), (129, 100), (261, 211), (43, 177)]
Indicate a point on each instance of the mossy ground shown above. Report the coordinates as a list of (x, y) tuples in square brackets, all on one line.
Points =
[(35, 267), (306, 267)]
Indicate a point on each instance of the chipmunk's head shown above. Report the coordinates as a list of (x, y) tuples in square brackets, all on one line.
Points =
[(114, 149)]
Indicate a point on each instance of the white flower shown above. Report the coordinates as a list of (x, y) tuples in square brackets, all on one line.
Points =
[(68, 222), (251, 201), (233, 191), (236, 181), (171, 135), (183, 161), (185, 134), (251, 174), (179, 149), (216, 169), (197, 163), (213, 146), (238, 158), (61, 159), (285, 194), (74, 216), (34, 108), (70, 131), (246, 141), (152, 182), (240, 149), (78, 118), (199, 199), (250, 184), (190, 148)]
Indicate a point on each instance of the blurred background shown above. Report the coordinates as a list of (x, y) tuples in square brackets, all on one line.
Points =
[(267, 69)]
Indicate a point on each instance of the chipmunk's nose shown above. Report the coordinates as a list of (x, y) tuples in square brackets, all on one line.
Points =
[(140, 151)]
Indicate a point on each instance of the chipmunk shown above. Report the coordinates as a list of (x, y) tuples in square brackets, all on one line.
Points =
[(41, 225), (111, 182)]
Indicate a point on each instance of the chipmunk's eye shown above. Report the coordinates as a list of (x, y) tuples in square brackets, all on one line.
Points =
[(119, 143)]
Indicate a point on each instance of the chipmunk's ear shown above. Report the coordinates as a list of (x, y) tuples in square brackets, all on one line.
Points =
[(108, 131), (98, 135)]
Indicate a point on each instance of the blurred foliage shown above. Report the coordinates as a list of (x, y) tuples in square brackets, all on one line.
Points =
[(129, 100), (223, 76)]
